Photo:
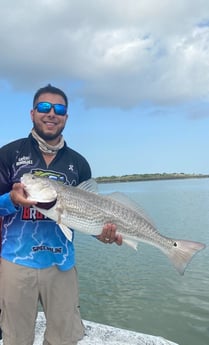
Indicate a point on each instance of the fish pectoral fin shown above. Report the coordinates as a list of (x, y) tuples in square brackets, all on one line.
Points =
[(59, 211), (66, 231), (130, 243)]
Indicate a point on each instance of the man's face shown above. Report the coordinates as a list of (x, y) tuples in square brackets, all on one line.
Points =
[(49, 126)]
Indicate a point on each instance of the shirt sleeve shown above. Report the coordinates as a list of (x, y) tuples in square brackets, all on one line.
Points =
[(85, 171), (6, 205)]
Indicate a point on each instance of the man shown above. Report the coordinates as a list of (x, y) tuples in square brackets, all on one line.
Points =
[(0, 267), (38, 262)]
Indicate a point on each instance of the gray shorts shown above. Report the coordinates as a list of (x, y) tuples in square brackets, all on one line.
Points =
[(22, 288)]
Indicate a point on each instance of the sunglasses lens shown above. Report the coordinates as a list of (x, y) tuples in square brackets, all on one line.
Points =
[(60, 109), (45, 107)]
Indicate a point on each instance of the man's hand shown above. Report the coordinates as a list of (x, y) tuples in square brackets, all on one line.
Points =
[(109, 235), (19, 196)]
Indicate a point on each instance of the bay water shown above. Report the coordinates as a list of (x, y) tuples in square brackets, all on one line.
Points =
[(140, 290)]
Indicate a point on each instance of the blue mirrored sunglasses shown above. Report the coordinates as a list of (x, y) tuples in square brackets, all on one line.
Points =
[(45, 107)]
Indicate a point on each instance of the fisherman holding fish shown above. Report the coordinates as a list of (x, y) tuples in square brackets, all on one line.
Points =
[(38, 261), (0, 269)]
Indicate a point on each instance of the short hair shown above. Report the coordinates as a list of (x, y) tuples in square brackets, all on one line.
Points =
[(49, 89)]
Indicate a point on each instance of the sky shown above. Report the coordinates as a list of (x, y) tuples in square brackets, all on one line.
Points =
[(136, 73)]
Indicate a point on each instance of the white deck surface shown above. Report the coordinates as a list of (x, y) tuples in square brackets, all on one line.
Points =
[(98, 334)]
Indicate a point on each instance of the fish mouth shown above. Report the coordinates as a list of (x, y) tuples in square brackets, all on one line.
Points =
[(46, 205)]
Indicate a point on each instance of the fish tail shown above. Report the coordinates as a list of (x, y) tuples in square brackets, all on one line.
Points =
[(182, 252)]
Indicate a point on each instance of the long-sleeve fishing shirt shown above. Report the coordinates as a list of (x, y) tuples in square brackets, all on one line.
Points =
[(28, 237)]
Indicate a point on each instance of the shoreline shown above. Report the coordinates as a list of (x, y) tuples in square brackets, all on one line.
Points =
[(148, 177)]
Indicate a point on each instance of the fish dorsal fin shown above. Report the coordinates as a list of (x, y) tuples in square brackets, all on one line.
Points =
[(130, 203), (89, 186)]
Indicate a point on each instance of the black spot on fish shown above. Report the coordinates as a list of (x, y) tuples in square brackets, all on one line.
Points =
[(175, 244)]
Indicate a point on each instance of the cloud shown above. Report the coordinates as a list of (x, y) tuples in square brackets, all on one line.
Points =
[(109, 53)]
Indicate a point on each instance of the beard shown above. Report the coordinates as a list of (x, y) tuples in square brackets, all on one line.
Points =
[(47, 136)]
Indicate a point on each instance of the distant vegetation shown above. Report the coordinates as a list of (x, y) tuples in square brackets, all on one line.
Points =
[(148, 177)]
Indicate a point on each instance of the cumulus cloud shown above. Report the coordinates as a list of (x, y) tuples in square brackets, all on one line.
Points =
[(112, 53)]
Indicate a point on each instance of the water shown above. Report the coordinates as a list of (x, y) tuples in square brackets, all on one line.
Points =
[(141, 291)]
